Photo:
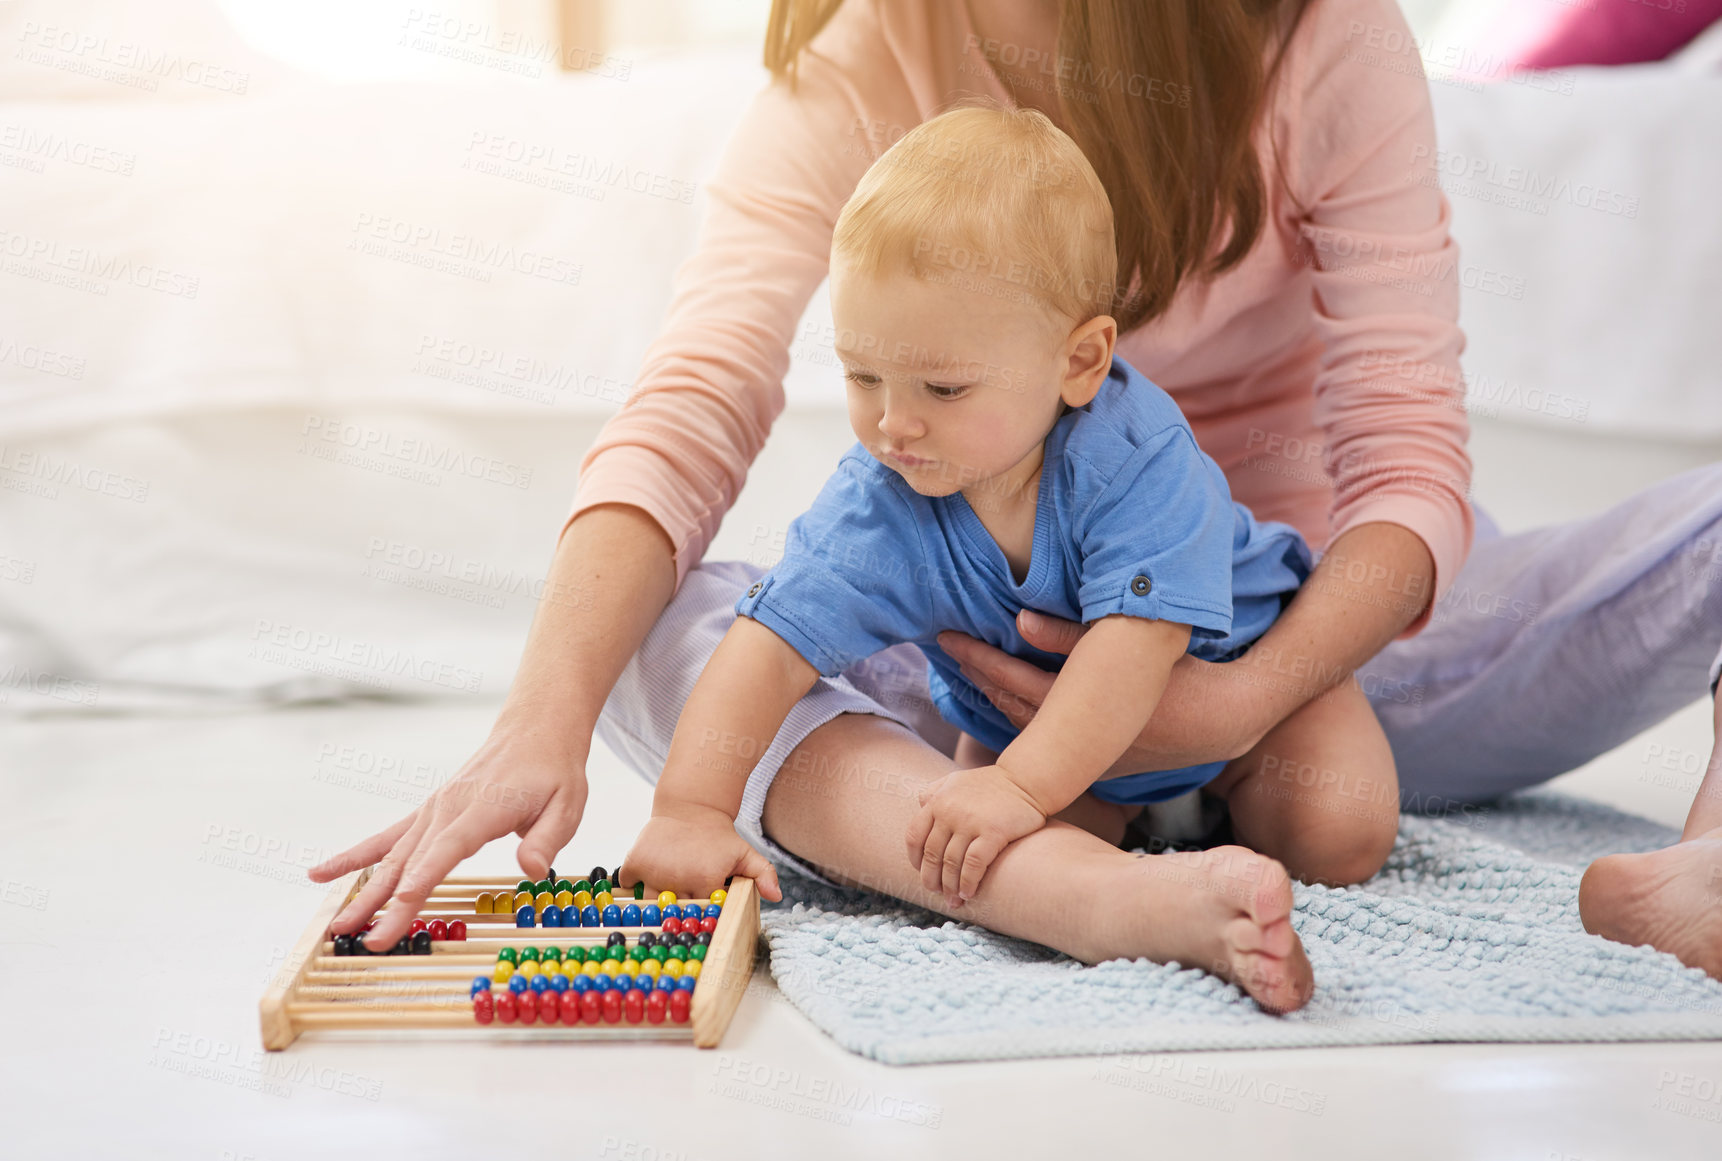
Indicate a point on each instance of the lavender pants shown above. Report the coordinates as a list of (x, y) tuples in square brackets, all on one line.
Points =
[(1549, 648)]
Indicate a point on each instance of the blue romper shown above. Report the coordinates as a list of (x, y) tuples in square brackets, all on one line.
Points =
[(1132, 518)]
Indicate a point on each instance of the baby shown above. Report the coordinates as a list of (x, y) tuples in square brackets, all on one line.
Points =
[(1008, 460)]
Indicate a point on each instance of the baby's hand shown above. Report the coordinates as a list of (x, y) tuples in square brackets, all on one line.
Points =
[(968, 817), (692, 850)]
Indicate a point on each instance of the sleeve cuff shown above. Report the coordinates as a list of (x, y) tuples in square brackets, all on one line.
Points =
[(752, 604), (1447, 534), (624, 474), (1205, 619)]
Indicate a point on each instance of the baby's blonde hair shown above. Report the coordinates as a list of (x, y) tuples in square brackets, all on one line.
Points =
[(1000, 200)]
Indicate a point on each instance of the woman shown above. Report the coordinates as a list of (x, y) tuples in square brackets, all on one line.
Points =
[(1296, 292)]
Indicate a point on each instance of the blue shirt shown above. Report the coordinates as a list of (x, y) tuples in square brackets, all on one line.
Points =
[(1132, 517)]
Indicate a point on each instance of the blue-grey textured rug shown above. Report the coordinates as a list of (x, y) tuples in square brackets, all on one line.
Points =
[(1470, 933)]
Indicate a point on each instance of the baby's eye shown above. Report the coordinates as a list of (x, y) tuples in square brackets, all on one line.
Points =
[(940, 391), (862, 378)]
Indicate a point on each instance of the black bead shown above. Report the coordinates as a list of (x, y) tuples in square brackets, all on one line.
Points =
[(617, 939), (421, 942), (343, 945), (647, 939), (360, 947), (599, 873), (704, 937), (403, 946)]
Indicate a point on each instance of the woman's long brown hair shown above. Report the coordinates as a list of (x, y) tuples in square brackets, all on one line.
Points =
[(1162, 96)]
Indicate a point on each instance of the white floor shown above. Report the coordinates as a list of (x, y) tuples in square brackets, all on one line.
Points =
[(153, 876)]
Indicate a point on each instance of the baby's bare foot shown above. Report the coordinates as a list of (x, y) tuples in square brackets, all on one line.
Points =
[(1670, 899), (1227, 910)]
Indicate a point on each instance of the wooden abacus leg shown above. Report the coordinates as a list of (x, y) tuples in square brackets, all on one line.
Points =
[(278, 1027), (728, 964)]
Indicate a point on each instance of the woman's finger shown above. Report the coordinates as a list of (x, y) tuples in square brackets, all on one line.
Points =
[(1015, 686), (428, 865), (381, 884), (361, 854), (1048, 633)]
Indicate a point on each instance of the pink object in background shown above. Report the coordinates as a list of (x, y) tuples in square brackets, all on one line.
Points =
[(1552, 34)]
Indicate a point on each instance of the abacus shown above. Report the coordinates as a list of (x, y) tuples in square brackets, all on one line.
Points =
[(556, 959)]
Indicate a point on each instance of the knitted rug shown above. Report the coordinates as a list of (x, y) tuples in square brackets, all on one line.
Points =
[(1470, 933)]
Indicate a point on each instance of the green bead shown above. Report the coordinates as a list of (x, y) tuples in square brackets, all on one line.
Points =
[(541, 887), (506, 955), (574, 955), (551, 955), (637, 953), (678, 952), (524, 885), (583, 885), (529, 953), (564, 885), (659, 952), (601, 885), (698, 951), (640, 890)]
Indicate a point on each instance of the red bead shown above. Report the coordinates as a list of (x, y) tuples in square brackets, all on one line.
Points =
[(507, 1008), (708, 924), (657, 1004), (528, 1002), (438, 929), (634, 1006), (680, 1002), (484, 1007), (418, 925), (549, 1010), (457, 930), (589, 1006), (612, 1005), (569, 1003), (672, 926)]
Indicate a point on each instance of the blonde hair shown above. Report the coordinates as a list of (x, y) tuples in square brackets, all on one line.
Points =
[(999, 200)]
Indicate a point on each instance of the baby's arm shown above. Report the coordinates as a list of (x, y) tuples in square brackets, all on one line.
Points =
[(1100, 700), (753, 680)]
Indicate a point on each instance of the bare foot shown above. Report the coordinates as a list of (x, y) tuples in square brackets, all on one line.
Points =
[(1227, 910), (1670, 899)]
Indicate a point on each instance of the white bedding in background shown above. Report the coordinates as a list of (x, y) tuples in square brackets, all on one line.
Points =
[(294, 382)]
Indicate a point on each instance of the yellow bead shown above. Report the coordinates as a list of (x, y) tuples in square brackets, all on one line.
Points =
[(564, 898), (690, 968), (542, 900), (665, 898), (589, 968), (521, 899), (529, 969), (554, 967), (482, 904), (630, 967), (651, 967), (603, 899), (673, 968), (719, 896), (582, 899), (502, 972), (612, 966)]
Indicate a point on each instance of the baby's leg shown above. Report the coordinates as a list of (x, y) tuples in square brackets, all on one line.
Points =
[(1227, 910), (1319, 792)]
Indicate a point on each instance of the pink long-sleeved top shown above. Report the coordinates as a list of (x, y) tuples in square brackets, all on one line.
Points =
[(1322, 373)]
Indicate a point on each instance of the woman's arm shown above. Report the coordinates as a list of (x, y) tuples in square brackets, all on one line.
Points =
[(1211, 712), (609, 580)]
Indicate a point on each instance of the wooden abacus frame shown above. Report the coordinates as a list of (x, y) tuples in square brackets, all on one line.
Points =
[(322, 991)]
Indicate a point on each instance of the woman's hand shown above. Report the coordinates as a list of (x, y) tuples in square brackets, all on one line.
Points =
[(967, 819), (693, 850), (516, 783), (1208, 712)]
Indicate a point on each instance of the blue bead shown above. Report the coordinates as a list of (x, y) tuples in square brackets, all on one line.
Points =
[(713, 910), (581, 984), (559, 983), (691, 911), (553, 917), (612, 916), (666, 984), (571, 916), (601, 982), (622, 983), (480, 984), (673, 911), (540, 984), (686, 983), (650, 916), (589, 916), (526, 917), (517, 984), (631, 916)]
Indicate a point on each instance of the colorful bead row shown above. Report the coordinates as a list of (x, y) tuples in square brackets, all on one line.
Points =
[(672, 918), (417, 940), (590, 1007)]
